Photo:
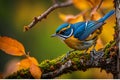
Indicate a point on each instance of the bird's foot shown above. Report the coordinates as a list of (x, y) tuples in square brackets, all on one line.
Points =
[(95, 56)]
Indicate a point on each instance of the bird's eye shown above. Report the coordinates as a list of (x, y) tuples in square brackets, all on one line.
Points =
[(62, 32)]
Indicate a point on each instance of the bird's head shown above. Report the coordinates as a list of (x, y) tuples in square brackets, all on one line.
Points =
[(64, 31)]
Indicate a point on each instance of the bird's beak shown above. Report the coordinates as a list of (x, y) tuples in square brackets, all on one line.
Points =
[(54, 35)]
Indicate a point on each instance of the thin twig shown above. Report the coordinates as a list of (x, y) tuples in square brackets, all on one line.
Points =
[(95, 9), (44, 15)]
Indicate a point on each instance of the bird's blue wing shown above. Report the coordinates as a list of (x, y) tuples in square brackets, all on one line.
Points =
[(106, 16), (81, 27), (77, 25), (85, 29), (78, 28), (90, 30)]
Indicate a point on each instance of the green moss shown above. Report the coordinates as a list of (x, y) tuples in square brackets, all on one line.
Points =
[(78, 60), (107, 48), (21, 74)]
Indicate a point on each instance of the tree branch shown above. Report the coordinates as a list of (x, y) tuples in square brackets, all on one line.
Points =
[(95, 9), (44, 15), (58, 71), (117, 35), (105, 59)]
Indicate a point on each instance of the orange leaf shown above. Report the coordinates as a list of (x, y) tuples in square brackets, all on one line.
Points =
[(99, 44), (96, 16), (108, 30), (11, 46), (35, 71), (72, 18), (98, 74), (107, 4), (81, 4), (65, 17), (88, 4), (26, 63)]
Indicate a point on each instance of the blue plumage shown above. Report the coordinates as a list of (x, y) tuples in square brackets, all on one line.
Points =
[(76, 35), (81, 35), (88, 31), (106, 16), (83, 31), (61, 27)]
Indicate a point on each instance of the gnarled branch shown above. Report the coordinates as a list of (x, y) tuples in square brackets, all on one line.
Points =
[(104, 59)]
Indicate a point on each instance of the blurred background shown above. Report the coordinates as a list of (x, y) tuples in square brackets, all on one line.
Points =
[(15, 14)]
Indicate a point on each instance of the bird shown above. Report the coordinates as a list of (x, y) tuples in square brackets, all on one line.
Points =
[(81, 35)]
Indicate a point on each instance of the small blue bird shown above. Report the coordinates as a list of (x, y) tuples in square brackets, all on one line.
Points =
[(81, 35)]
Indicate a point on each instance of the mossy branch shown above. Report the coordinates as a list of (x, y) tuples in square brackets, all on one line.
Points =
[(105, 59)]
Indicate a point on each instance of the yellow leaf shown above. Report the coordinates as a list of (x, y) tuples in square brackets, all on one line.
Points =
[(81, 4), (108, 30), (32, 63), (26, 63), (98, 74), (99, 44), (35, 71), (65, 17), (11, 46), (96, 16), (107, 4), (88, 4), (71, 18)]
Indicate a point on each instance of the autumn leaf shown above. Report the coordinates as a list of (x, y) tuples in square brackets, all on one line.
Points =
[(11, 46), (35, 71), (88, 4), (72, 18), (83, 16), (99, 44), (108, 4), (108, 30), (96, 16), (101, 74), (81, 4), (32, 64), (27, 62)]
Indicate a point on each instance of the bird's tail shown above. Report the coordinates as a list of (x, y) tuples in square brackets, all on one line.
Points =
[(106, 16)]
